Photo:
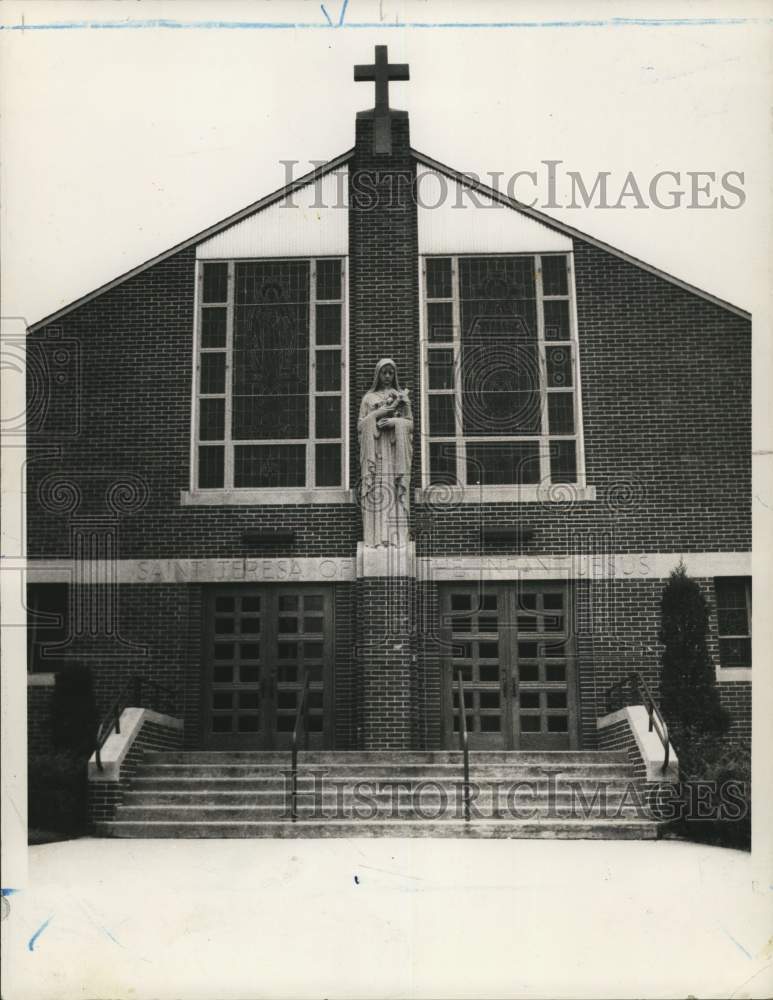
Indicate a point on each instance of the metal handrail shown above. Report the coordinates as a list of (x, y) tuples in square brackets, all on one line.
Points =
[(464, 746), (131, 696), (301, 716), (657, 722)]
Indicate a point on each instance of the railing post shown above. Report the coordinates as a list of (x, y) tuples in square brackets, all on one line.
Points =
[(294, 787), (465, 747), (301, 718)]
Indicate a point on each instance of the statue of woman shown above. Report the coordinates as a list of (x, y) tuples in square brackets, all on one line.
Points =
[(385, 429)]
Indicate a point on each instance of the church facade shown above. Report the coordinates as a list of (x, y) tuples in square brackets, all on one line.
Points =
[(196, 487)]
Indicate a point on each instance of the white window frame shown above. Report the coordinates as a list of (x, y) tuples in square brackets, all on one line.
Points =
[(228, 494), (726, 675), (545, 490)]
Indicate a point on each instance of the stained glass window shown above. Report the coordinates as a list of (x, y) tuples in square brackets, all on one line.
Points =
[(500, 356), (269, 376)]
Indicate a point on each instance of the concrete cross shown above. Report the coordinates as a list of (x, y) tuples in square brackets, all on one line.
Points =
[(382, 73)]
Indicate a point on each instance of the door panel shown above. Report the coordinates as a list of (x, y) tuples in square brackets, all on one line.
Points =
[(472, 623), (260, 644), (303, 646), (236, 669), (514, 646), (543, 698)]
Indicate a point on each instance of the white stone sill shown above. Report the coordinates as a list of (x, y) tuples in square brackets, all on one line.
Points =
[(733, 675), (256, 498), (41, 680), (441, 495), (557, 493)]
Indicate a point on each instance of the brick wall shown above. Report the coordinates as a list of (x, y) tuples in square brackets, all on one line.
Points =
[(625, 625), (429, 683), (104, 796), (386, 664), (657, 797), (39, 731), (666, 396), (383, 267), (158, 634), (344, 669), (121, 424), (155, 632), (619, 736), (160, 637), (737, 699)]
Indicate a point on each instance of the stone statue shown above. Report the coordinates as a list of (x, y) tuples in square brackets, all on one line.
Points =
[(385, 429)]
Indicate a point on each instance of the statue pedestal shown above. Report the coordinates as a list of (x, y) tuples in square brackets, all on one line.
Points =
[(386, 560), (386, 647)]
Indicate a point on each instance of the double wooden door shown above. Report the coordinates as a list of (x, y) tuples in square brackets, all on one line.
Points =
[(261, 643), (514, 645)]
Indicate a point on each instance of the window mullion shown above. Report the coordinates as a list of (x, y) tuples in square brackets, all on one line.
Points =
[(544, 440), (748, 595), (426, 476), (229, 460), (196, 362), (575, 362), (345, 368), (456, 321), (310, 447)]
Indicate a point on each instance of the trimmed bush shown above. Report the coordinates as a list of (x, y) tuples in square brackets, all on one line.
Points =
[(688, 691), (74, 710), (58, 781), (58, 793), (715, 775)]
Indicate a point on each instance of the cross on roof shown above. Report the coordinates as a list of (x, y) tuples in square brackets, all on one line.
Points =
[(382, 72)]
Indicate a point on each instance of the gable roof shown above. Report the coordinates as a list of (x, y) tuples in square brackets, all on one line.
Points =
[(563, 227), (192, 241), (339, 161)]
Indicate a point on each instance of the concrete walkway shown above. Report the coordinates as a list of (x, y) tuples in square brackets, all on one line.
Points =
[(386, 918)]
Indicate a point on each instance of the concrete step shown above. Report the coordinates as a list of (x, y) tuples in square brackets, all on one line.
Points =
[(622, 829), (360, 813), (205, 798), (328, 757), (550, 794), (278, 785), (504, 772)]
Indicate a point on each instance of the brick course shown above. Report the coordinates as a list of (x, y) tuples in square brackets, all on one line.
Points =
[(39, 732), (656, 796), (105, 796), (386, 659)]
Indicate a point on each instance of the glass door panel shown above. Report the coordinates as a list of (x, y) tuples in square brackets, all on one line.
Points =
[(514, 646), (260, 645)]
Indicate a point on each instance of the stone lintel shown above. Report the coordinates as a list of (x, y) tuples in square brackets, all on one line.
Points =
[(386, 560)]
